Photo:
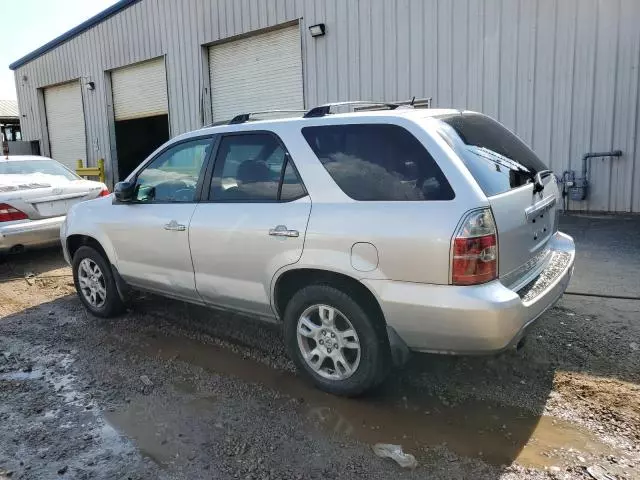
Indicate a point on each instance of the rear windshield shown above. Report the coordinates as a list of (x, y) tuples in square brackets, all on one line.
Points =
[(28, 167), (378, 162), (497, 159)]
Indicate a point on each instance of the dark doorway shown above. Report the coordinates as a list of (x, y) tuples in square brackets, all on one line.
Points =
[(136, 139)]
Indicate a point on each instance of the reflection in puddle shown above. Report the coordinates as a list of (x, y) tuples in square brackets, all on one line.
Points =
[(35, 374), (145, 428), (497, 434), (152, 425)]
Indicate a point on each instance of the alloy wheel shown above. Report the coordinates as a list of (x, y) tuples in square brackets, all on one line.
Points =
[(328, 342), (92, 283)]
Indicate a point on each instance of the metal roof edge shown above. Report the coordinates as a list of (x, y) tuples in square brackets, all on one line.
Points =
[(75, 31)]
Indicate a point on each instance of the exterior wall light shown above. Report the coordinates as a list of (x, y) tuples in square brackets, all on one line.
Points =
[(317, 30)]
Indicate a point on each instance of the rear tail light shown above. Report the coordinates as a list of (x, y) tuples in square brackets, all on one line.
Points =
[(104, 192), (9, 213), (475, 250)]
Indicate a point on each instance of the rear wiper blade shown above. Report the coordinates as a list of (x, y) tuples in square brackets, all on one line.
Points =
[(535, 177), (499, 159)]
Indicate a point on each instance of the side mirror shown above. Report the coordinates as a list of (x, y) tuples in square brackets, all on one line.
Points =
[(125, 191)]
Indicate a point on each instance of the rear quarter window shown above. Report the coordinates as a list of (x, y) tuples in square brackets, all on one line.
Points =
[(497, 159), (378, 162)]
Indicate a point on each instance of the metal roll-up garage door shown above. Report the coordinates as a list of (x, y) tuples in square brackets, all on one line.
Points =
[(65, 123), (140, 90), (262, 72)]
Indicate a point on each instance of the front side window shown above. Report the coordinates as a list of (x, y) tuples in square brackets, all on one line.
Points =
[(378, 162), (292, 187), (173, 175), (254, 168)]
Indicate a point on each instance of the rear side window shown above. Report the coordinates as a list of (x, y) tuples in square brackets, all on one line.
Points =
[(254, 167), (378, 162), (497, 159)]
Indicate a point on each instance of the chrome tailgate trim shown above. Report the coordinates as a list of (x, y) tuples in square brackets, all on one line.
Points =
[(556, 267)]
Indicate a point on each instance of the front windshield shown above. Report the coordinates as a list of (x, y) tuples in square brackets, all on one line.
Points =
[(30, 167)]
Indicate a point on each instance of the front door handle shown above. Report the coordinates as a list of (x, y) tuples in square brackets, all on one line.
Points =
[(283, 231), (175, 226)]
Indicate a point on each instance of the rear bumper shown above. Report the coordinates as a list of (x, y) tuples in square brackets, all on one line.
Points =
[(33, 233), (477, 319)]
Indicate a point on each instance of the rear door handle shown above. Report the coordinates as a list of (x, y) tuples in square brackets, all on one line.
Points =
[(175, 226), (283, 231)]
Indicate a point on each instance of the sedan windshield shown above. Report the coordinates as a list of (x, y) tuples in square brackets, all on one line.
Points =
[(28, 167)]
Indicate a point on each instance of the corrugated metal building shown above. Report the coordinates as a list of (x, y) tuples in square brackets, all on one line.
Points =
[(563, 74)]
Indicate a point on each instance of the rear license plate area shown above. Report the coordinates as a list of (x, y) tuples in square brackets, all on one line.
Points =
[(540, 218), (56, 208), (541, 226)]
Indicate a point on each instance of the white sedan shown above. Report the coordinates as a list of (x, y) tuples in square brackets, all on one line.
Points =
[(35, 195)]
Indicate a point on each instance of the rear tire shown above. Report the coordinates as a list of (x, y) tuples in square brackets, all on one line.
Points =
[(95, 283), (361, 358)]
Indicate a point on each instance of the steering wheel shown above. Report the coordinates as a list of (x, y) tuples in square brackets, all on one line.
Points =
[(185, 194)]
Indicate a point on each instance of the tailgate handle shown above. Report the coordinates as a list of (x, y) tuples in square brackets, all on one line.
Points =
[(539, 208)]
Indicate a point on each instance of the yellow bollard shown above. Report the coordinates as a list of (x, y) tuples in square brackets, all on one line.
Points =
[(101, 168), (91, 171)]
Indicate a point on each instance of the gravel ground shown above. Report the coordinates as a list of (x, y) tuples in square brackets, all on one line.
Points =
[(176, 391)]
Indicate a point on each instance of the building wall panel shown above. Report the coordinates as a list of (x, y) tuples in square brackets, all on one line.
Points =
[(625, 186), (563, 74), (564, 61), (543, 77), (604, 101)]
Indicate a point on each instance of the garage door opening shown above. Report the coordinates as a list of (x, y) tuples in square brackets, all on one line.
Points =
[(140, 111), (65, 123), (137, 138), (261, 72)]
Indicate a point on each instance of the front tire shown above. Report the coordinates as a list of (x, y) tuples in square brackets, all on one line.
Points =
[(95, 283), (334, 342)]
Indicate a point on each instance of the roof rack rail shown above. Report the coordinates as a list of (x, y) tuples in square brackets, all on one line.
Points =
[(245, 117), (322, 110), (413, 103), (362, 105)]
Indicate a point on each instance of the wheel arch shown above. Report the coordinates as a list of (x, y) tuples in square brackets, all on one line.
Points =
[(290, 281), (76, 240)]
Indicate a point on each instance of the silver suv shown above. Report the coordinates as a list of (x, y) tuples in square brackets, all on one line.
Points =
[(364, 234)]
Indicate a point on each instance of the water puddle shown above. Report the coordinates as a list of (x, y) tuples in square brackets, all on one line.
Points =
[(497, 434), (158, 425), (136, 422)]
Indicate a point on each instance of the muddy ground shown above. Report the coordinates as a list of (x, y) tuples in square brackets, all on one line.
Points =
[(175, 391)]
